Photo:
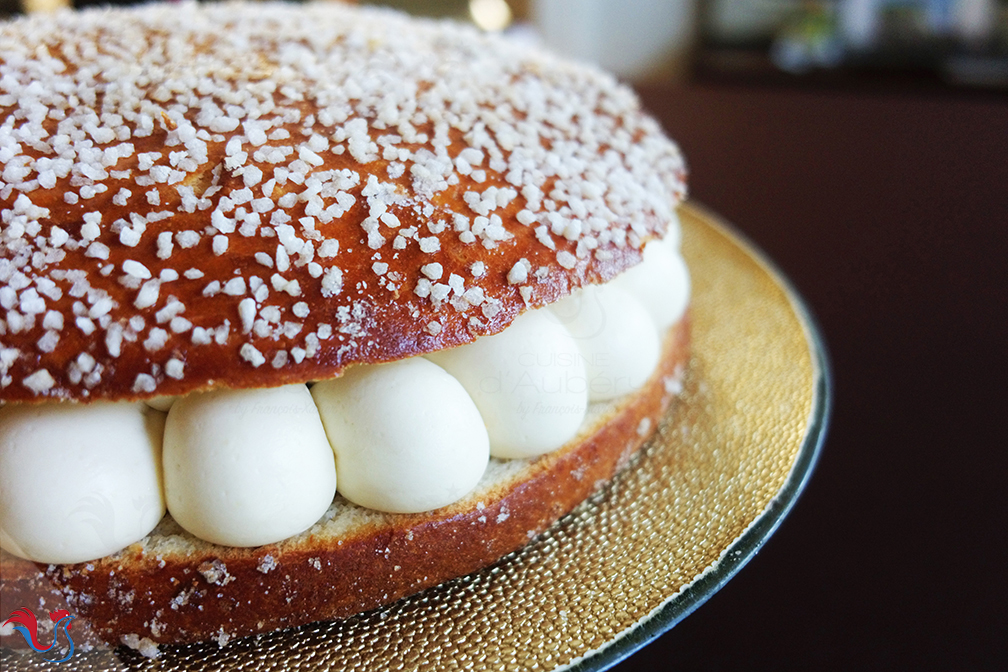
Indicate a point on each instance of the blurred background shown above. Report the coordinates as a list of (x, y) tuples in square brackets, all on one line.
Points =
[(863, 144), (906, 42), (902, 42)]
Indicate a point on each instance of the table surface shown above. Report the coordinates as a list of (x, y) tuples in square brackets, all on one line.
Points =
[(889, 212)]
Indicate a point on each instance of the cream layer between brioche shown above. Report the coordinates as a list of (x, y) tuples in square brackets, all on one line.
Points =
[(250, 467)]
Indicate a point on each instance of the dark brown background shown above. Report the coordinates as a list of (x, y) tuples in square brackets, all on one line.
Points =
[(889, 212)]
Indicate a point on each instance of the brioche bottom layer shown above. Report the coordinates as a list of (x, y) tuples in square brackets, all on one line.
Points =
[(173, 588)]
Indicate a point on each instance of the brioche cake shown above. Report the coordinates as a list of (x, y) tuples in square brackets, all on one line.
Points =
[(306, 308)]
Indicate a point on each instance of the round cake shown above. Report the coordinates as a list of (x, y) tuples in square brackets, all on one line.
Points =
[(363, 302)]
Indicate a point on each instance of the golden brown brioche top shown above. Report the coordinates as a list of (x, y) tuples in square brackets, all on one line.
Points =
[(255, 194)]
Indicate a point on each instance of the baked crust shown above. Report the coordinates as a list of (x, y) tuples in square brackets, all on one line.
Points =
[(172, 196), (173, 588)]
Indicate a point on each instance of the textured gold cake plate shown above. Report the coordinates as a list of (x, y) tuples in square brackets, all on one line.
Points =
[(728, 462)]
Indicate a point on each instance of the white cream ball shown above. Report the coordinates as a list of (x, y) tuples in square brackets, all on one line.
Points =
[(661, 282), (161, 403), (617, 337), (247, 467), (528, 383), (406, 434), (78, 481)]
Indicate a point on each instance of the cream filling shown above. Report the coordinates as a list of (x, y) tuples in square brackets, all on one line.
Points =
[(407, 435), (247, 467), (528, 382), (251, 467), (78, 482)]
